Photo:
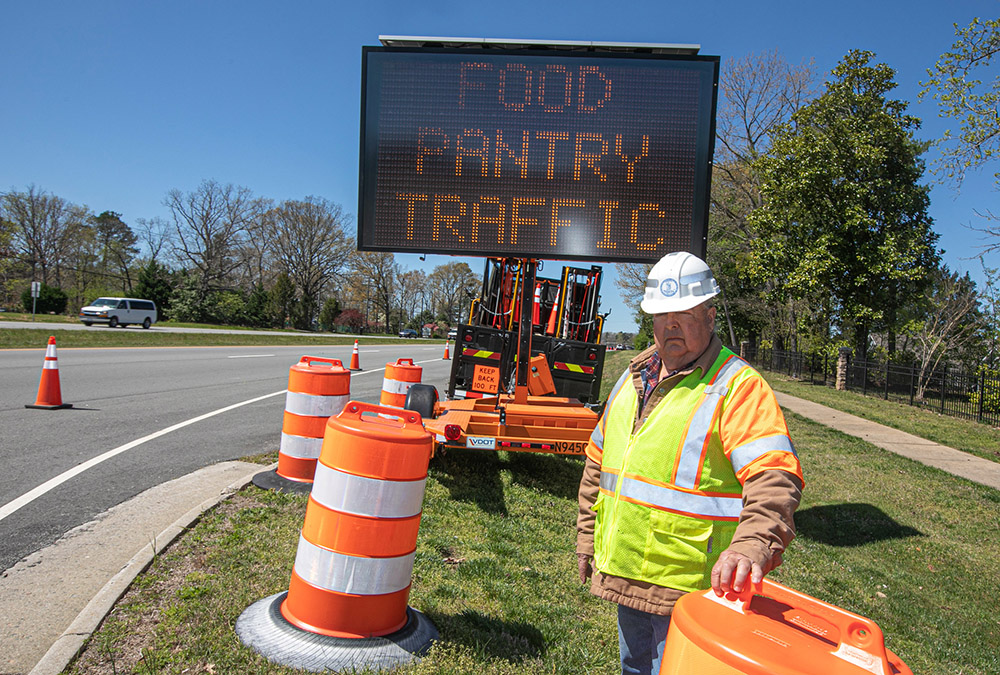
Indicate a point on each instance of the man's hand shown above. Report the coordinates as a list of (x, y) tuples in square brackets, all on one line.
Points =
[(731, 570), (583, 564)]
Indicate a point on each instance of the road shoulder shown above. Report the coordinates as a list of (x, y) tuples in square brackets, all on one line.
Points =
[(55, 598)]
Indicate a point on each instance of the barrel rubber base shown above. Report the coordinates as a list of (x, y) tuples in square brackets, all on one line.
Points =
[(270, 480), (262, 627)]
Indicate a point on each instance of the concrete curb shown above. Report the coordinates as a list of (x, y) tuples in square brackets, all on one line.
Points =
[(69, 644)]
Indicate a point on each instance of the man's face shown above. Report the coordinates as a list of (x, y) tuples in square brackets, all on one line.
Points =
[(682, 336)]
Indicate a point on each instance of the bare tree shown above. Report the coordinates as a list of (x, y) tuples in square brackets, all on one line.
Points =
[(44, 227), (758, 95), (413, 293), (309, 241), (210, 225), (373, 281), (154, 233), (951, 322), (453, 286)]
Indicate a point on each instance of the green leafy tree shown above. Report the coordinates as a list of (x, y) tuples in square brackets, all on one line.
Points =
[(328, 315), (966, 86), (282, 301), (956, 83), (116, 245), (844, 221), (155, 283), (257, 311)]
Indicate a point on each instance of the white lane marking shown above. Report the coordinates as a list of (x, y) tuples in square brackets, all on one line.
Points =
[(52, 483), (249, 356), (49, 485)]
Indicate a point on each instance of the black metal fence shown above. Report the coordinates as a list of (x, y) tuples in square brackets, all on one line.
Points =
[(948, 390)]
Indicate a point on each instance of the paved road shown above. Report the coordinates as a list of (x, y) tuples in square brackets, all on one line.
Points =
[(121, 395)]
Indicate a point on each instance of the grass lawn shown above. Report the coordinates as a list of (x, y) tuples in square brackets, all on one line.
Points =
[(101, 336), (978, 439), (908, 546)]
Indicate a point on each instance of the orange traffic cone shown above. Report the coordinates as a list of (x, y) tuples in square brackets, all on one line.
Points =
[(446, 355), (355, 361), (550, 329), (49, 394)]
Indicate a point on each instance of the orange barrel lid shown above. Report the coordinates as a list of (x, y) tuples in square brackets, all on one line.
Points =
[(771, 629), (319, 376), (377, 442), (405, 369)]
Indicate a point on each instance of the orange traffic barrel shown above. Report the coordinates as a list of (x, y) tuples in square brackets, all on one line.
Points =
[(399, 377), (771, 629), (318, 388), (351, 577)]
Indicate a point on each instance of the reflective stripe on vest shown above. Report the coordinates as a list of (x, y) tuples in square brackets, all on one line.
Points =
[(351, 574), (715, 507), (597, 435), (748, 452), (300, 447), (363, 496), (690, 462), (310, 405)]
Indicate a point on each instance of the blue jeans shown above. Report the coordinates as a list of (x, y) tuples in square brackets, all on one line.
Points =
[(641, 638)]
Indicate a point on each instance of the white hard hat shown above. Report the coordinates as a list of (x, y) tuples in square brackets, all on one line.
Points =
[(678, 282)]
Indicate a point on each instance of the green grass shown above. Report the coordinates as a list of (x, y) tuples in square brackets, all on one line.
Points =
[(31, 338), (978, 439), (908, 546)]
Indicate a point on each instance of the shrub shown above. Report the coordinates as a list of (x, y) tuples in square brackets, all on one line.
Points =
[(50, 299)]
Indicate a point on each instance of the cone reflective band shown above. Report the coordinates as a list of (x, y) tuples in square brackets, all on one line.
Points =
[(318, 388), (355, 557), (399, 377)]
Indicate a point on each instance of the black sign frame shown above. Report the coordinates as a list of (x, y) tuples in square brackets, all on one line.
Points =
[(376, 235)]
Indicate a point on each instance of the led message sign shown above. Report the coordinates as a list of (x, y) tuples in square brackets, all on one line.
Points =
[(554, 155)]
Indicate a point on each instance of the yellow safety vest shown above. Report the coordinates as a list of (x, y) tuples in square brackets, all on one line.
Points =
[(669, 497)]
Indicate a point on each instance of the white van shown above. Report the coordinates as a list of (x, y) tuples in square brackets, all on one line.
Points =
[(119, 312)]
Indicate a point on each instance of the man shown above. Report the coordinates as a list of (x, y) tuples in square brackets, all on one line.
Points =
[(691, 479)]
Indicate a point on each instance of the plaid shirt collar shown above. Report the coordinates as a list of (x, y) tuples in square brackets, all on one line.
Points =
[(651, 374), (650, 377)]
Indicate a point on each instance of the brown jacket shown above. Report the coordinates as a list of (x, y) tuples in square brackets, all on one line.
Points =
[(766, 523)]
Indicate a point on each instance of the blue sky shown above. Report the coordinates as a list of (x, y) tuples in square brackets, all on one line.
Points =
[(112, 104)]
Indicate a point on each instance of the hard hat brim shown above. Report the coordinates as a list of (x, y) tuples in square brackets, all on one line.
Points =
[(663, 305)]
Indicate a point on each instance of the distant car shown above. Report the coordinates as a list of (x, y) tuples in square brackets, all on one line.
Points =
[(408, 333), (119, 312), (453, 334)]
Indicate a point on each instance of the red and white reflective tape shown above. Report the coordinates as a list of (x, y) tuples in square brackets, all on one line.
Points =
[(462, 393), (396, 386), (50, 358)]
